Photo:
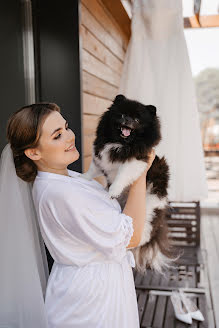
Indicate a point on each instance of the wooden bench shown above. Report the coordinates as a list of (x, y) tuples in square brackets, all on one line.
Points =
[(153, 290)]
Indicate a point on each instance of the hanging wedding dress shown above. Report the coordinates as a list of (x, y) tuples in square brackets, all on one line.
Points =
[(157, 71)]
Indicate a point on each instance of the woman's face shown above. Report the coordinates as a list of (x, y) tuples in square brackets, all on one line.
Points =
[(55, 140)]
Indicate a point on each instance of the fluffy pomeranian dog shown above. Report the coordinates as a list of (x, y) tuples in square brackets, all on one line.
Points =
[(125, 135)]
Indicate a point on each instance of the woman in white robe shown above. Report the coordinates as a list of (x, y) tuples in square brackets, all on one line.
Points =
[(91, 283)]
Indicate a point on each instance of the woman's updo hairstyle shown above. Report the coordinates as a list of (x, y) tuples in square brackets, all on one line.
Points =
[(23, 131)]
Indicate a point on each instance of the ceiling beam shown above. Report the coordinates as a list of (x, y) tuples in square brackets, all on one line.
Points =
[(204, 21), (119, 13)]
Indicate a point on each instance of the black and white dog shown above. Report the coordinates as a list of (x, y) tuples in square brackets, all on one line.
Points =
[(125, 135)]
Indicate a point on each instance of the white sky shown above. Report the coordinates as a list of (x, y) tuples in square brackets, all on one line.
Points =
[(203, 43)]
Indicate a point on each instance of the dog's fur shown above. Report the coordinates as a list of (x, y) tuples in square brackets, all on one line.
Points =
[(122, 158)]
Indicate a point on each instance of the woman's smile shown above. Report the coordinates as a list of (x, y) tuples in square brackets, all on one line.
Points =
[(71, 148)]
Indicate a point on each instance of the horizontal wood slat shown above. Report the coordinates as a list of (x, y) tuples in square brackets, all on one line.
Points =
[(97, 87), (187, 239), (104, 18), (176, 224), (90, 124), (185, 231), (184, 222), (88, 142), (95, 47), (94, 105), (120, 15), (89, 21), (95, 67)]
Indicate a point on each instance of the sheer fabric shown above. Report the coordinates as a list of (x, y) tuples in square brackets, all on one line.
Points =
[(157, 71), (24, 268)]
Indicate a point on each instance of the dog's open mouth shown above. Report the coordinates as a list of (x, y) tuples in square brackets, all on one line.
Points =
[(126, 131)]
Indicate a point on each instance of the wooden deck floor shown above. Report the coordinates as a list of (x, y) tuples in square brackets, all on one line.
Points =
[(149, 307), (210, 242)]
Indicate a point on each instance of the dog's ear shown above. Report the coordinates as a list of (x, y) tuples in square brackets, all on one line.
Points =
[(152, 109), (118, 99)]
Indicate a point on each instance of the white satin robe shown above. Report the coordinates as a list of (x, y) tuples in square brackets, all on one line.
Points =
[(91, 283)]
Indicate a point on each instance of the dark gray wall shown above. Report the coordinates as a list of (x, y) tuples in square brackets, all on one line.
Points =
[(12, 90), (56, 41), (56, 31)]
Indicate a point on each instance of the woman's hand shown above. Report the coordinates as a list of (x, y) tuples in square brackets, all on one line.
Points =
[(151, 158), (149, 163)]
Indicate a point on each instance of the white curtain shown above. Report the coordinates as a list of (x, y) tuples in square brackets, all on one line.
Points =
[(23, 262), (157, 71)]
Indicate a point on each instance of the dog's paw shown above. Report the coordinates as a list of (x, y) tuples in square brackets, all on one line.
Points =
[(114, 191)]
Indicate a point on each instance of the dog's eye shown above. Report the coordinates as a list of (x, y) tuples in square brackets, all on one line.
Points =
[(137, 120)]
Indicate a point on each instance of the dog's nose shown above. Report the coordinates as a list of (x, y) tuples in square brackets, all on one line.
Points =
[(129, 121)]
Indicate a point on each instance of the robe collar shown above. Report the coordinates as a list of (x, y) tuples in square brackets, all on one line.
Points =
[(78, 177), (50, 175)]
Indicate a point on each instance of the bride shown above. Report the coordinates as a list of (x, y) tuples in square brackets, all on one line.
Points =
[(91, 282)]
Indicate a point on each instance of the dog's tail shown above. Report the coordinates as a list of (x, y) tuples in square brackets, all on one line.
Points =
[(159, 253)]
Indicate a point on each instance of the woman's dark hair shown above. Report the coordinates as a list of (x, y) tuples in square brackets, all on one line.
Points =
[(24, 128)]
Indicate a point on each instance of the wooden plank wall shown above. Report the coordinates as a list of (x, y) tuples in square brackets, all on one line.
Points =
[(103, 45)]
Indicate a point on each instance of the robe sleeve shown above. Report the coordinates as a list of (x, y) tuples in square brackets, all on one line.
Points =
[(89, 219)]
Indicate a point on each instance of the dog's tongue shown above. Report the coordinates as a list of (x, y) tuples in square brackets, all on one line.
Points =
[(126, 132)]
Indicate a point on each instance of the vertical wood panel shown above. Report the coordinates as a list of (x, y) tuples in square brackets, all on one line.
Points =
[(103, 51)]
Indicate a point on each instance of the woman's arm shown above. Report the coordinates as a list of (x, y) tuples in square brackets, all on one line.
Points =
[(136, 205)]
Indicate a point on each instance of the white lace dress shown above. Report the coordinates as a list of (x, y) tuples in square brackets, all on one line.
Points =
[(157, 71), (91, 283)]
